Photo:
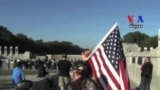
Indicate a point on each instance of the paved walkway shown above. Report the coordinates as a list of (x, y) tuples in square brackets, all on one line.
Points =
[(9, 86)]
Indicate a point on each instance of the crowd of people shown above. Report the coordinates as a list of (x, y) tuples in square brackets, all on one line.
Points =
[(18, 75), (81, 72), (28, 64), (81, 78)]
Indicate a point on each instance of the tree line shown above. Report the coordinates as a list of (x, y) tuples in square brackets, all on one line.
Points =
[(39, 47), (56, 47), (142, 39)]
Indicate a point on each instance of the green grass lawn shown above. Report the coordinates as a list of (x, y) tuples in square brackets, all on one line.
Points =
[(9, 73), (4, 81)]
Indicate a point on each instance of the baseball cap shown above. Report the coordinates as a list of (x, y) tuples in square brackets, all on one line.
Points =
[(79, 67)]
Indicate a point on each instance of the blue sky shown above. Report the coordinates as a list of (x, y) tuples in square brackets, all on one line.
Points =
[(83, 22)]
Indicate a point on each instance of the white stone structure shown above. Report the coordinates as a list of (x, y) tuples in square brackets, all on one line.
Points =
[(22, 56), (5, 51), (69, 57), (135, 60), (12, 56), (40, 57), (74, 57), (10, 50), (49, 56), (16, 50)]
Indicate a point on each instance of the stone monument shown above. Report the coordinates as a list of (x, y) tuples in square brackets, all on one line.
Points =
[(16, 50), (5, 50)]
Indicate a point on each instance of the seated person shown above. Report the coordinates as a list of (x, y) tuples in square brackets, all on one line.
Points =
[(42, 70), (18, 78), (18, 75), (43, 73)]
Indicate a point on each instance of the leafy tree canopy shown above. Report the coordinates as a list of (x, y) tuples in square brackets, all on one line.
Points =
[(142, 39), (36, 46)]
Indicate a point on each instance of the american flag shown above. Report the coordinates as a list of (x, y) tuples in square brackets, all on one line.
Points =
[(108, 64)]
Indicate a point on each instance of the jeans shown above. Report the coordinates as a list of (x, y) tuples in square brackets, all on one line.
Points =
[(145, 83)]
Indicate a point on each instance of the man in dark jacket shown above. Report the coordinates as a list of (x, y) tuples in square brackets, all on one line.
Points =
[(42, 70), (64, 67), (146, 74)]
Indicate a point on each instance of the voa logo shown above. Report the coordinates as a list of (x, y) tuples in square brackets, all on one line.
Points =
[(135, 22)]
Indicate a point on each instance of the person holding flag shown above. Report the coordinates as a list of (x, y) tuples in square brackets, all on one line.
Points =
[(107, 62), (84, 56), (82, 74)]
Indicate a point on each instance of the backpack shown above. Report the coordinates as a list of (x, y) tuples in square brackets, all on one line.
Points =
[(89, 84)]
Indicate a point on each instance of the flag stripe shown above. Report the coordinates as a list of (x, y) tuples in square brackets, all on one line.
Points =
[(121, 79), (125, 81), (95, 75), (110, 74), (104, 68), (98, 74), (106, 60), (101, 68)]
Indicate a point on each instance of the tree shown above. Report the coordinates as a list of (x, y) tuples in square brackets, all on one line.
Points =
[(135, 37), (141, 39), (151, 42), (36, 46), (5, 36)]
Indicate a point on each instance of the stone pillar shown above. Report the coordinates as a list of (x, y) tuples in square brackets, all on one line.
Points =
[(5, 50), (16, 50), (145, 48), (11, 50), (0, 51), (151, 48), (139, 49)]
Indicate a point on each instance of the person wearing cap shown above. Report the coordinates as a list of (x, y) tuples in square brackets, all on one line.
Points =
[(80, 81), (64, 67), (78, 70)]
